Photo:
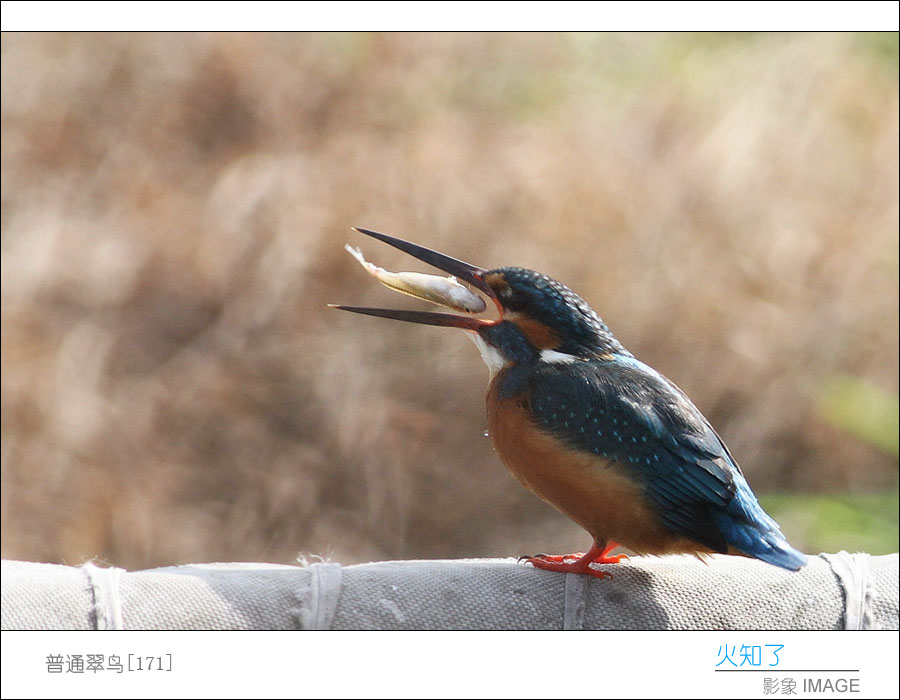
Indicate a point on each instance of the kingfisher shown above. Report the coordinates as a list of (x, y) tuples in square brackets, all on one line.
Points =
[(593, 431)]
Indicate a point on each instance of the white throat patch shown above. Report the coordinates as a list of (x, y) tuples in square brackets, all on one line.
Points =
[(495, 360), (491, 356)]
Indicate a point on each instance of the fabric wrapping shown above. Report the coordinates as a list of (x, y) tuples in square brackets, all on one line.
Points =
[(834, 591)]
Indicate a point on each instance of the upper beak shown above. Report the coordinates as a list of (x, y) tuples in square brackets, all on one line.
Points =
[(466, 272)]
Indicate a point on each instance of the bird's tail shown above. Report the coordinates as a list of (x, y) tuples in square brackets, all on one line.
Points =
[(749, 529)]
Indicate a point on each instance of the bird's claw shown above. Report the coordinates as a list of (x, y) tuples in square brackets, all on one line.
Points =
[(565, 563), (553, 558), (575, 567)]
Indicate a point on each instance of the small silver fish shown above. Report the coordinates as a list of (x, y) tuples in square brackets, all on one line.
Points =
[(445, 291)]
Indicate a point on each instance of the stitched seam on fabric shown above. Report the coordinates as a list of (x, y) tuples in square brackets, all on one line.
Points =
[(866, 594), (106, 608), (573, 614)]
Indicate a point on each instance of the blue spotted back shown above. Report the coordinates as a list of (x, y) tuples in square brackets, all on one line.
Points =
[(624, 411)]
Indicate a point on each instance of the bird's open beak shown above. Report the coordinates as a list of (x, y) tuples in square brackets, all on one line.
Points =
[(463, 271)]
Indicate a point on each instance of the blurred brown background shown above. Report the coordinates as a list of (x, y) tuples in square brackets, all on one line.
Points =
[(174, 209)]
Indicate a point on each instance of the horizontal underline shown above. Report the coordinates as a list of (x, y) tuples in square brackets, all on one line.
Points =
[(786, 670)]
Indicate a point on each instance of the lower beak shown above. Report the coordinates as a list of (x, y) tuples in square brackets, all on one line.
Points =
[(466, 272), (429, 318)]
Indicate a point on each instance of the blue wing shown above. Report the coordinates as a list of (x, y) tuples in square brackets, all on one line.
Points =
[(627, 412)]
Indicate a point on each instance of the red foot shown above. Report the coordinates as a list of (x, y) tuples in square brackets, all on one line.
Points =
[(578, 563)]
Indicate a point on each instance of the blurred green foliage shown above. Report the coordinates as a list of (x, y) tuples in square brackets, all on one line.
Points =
[(854, 522), (882, 44), (863, 409)]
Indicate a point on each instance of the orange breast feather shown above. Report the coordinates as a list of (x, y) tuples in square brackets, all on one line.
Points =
[(598, 494)]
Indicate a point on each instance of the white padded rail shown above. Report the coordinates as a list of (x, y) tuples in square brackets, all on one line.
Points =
[(834, 591)]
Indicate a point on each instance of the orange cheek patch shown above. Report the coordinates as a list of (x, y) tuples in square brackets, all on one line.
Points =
[(537, 333), (496, 280)]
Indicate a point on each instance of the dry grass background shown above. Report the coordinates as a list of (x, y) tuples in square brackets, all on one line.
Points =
[(174, 209)]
